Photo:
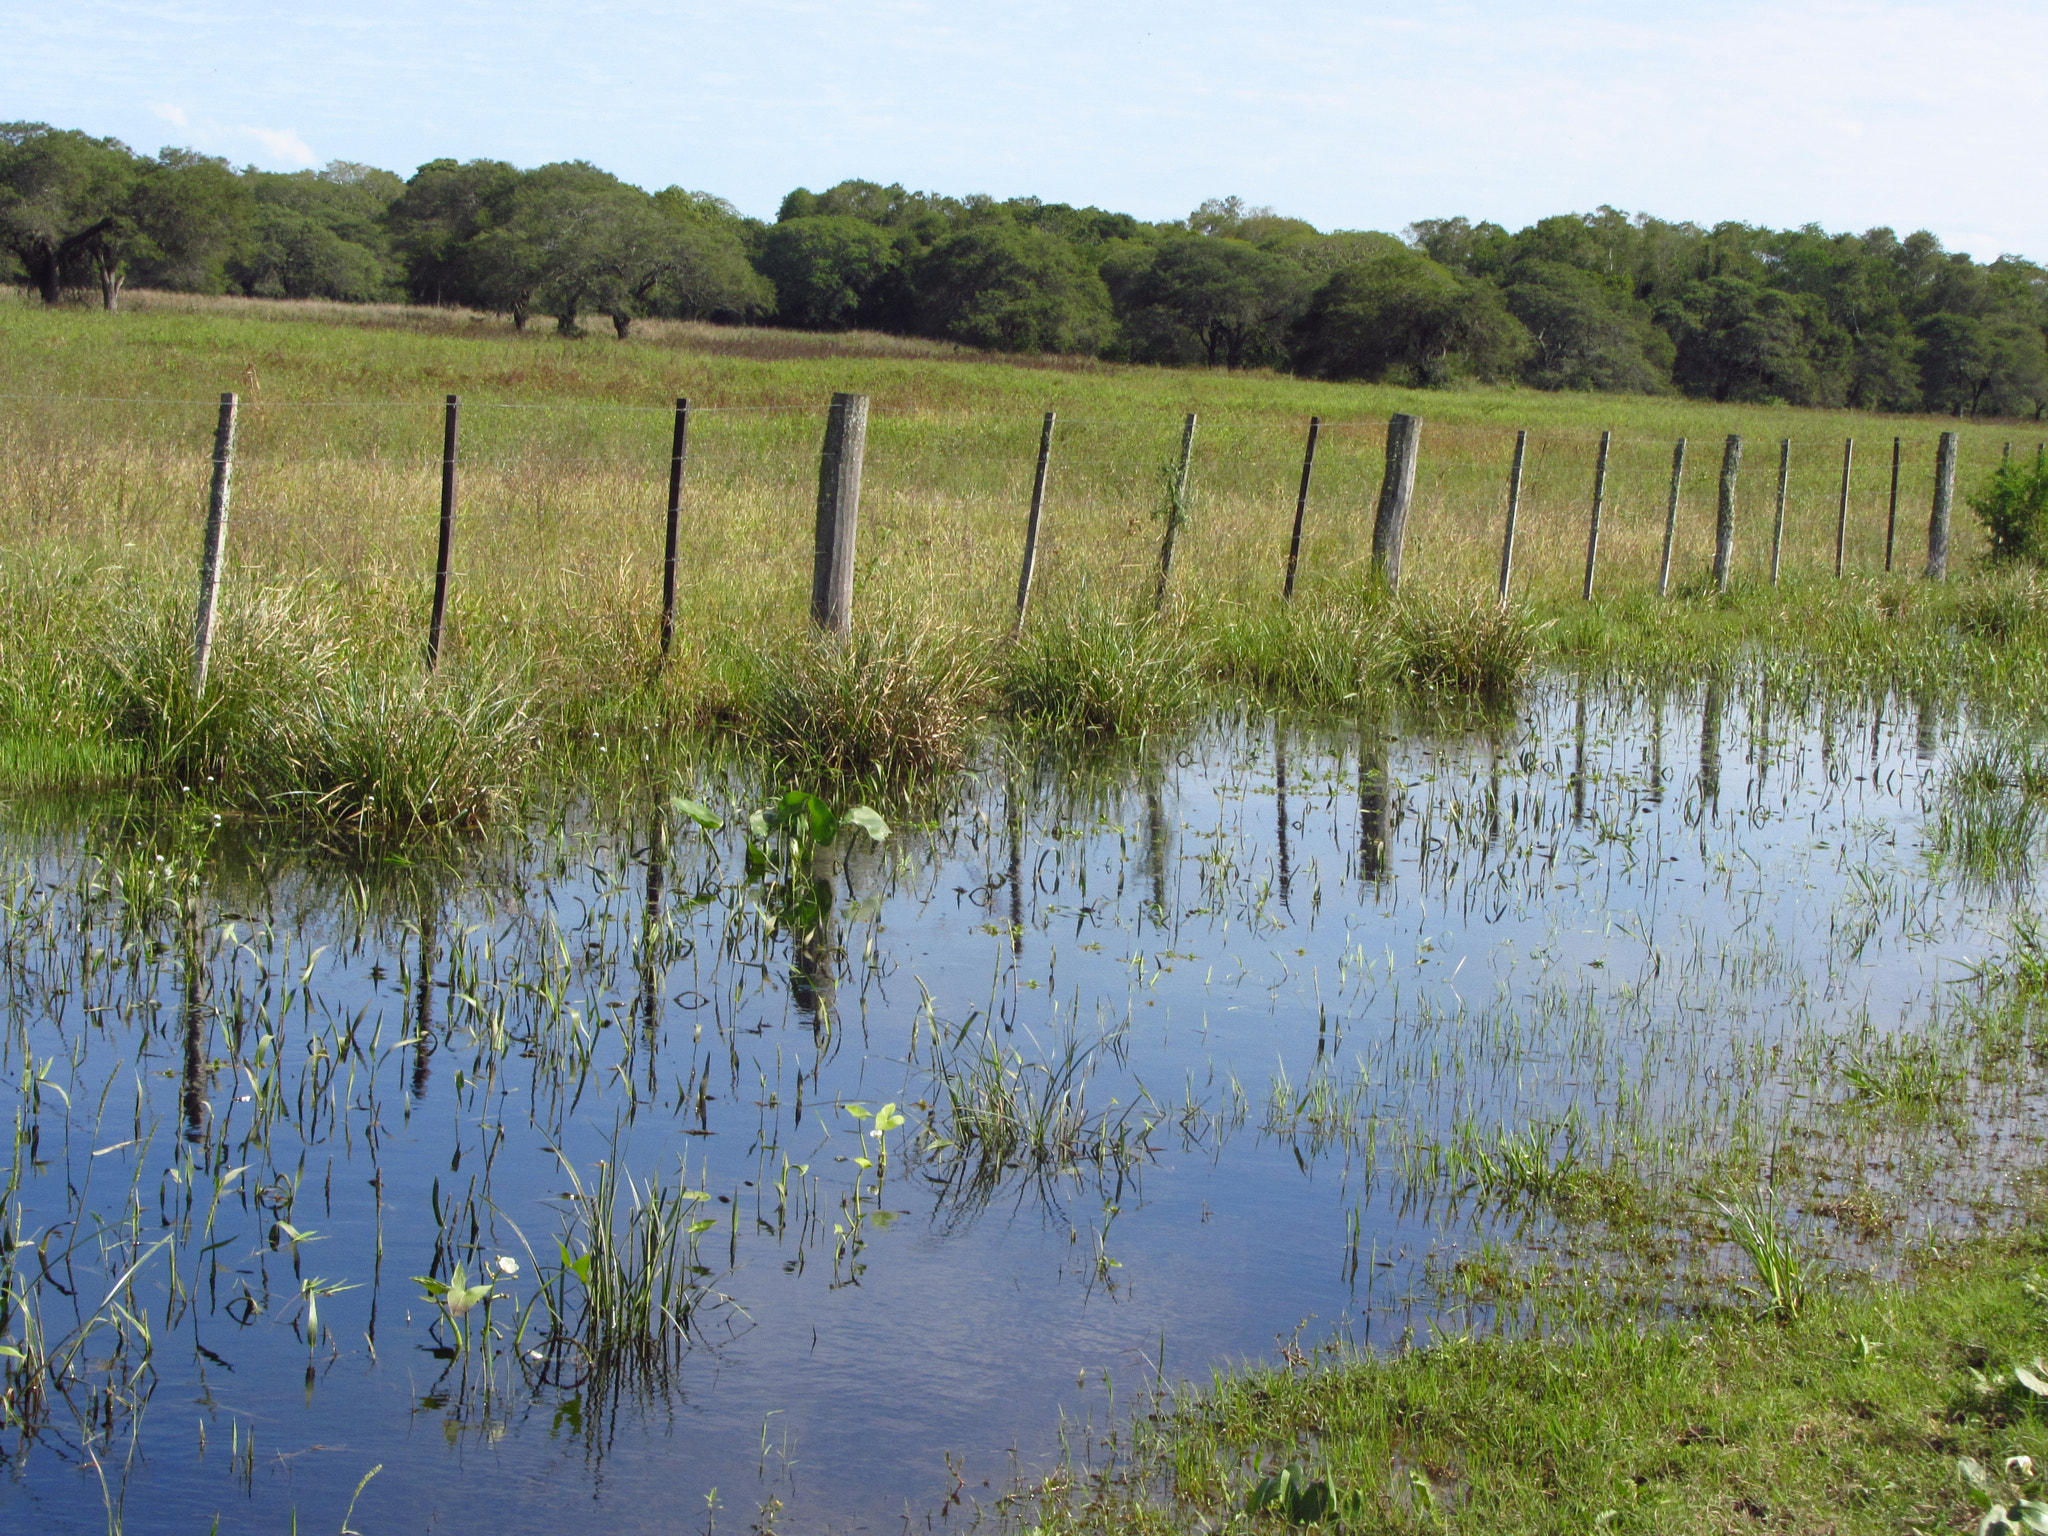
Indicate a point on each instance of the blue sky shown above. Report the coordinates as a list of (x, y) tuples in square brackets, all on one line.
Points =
[(1844, 112)]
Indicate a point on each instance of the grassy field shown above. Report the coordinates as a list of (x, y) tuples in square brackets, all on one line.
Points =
[(1853, 1416), (107, 419)]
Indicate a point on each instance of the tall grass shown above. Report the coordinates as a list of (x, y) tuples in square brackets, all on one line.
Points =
[(555, 612)]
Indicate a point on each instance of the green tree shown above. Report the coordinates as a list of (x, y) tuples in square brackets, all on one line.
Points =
[(1011, 289), (825, 268), (1586, 332), (319, 234), (436, 220), (1738, 340), (1403, 318), (181, 220), (1231, 300), (710, 276), (61, 195)]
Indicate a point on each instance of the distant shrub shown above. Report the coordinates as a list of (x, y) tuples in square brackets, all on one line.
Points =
[(2013, 507)]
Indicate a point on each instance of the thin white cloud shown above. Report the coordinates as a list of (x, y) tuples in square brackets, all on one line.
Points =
[(171, 113), (283, 144)]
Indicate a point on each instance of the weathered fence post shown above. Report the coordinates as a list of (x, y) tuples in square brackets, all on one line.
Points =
[(215, 536), (1778, 522), (1944, 499), (846, 439), (1671, 518), (1176, 509), (1891, 519), (1308, 469), (1397, 489), (1842, 513), (1031, 527), (450, 426), (678, 455), (1507, 538), (1593, 529), (1724, 518)]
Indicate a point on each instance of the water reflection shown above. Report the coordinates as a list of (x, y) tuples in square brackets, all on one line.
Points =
[(1145, 1088)]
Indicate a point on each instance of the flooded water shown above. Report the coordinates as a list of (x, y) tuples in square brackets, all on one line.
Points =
[(1275, 989)]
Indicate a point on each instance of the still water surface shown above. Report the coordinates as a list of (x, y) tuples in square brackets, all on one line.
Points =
[(1287, 960)]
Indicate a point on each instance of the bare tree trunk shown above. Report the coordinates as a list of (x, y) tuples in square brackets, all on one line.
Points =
[(622, 322)]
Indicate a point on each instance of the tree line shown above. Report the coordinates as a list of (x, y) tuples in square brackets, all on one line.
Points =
[(1595, 301)]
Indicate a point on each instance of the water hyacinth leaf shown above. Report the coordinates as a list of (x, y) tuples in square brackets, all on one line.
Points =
[(697, 811), (869, 821)]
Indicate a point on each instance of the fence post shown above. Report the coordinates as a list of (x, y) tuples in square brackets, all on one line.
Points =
[(1308, 469), (1944, 499), (1176, 510), (839, 462), (1891, 519), (1507, 538), (449, 427), (1397, 489), (1842, 514), (215, 536), (1778, 522), (1031, 528), (1593, 528), (1724, 519), (678, 456), (1671, 519)]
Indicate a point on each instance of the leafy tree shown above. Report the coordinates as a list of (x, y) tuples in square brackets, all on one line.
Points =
[(61, 194), (824, 268), (1738, 340), (1401, 317), (1232, 300), (181, 219), (1011, 289), (436, 220), (709, 274), (319, 234), (1586, 333)]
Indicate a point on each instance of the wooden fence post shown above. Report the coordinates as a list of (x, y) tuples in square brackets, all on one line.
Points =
[(1891, 519), (1176, 509), (210, 547), (1507, 538), (1842, 514), (1778, 522), (1724, 519), (1031, 528), (1944, 499), (450, 426), (678, 456), (1671, 518), (839, 463), (1397, 489), (1308, 469), (1593, 528)]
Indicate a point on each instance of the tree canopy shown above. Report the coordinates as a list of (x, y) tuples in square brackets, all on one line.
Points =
[(1603, 300)]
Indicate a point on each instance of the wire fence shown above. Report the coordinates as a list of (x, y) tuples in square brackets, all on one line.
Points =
[(555, 494)]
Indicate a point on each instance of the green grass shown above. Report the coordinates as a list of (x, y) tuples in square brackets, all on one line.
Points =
[(552, 649), (1850, 1416)]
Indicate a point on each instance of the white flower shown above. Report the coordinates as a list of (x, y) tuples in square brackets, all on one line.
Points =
[(507, 1265)]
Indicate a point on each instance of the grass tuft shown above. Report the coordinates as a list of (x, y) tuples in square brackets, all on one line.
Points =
[(1095, 674)]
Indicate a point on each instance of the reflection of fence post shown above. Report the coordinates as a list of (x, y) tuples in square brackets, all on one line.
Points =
[(215, 537), (1891, 518), (1397, 489), (450, 425), (1031, 528), (679, 452), (1593, 529), (1372, 805), (1944, 499), (1724, 518), (1842, 513), (1507, 538), (1308, 469), (839, 463), (1671, 518), (1176, 510)]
